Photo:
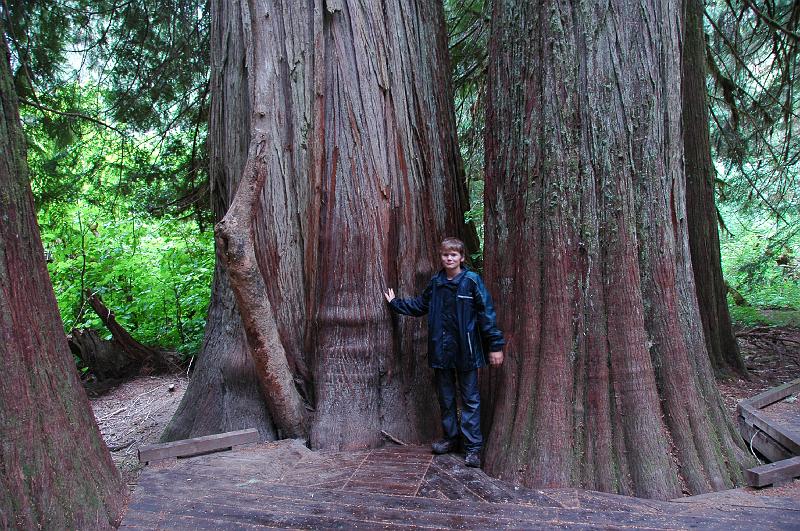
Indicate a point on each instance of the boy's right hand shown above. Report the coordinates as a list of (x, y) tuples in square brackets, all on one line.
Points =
[(389, 295), (496, 358)]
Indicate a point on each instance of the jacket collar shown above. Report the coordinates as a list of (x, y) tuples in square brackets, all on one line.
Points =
[(441, 276)]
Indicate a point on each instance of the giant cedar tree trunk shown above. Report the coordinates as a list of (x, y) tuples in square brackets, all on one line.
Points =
[(607, 383), (701, 214), (334, 158), (55, 470)]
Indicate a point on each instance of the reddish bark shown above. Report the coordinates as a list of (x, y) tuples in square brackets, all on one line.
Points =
[(55, 470), (235, 241), (349, 107), (607, 383)]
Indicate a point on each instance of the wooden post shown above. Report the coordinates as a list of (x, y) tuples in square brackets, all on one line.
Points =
[(761, 476)]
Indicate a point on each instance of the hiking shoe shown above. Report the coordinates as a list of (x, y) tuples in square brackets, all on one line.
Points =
[(445, 446), (473, 459)]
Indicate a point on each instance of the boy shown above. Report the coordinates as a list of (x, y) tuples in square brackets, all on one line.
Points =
[(461, 320)]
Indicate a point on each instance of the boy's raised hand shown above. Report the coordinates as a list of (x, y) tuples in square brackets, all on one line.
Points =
[(389, 295)]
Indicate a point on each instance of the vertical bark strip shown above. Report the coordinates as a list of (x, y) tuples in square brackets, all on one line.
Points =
[(55, 470), (390, 190), (700, 204), (362, 180), (607, 384)]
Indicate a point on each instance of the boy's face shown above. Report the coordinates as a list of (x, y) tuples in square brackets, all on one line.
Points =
[(451, 260)]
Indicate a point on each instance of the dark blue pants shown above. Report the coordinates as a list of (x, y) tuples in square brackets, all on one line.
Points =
[(470, 406)]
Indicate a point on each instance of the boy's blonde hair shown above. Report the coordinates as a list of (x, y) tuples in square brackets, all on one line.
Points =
[(453, 244)]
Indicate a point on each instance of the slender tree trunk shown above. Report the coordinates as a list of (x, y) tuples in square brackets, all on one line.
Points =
[(55, 470), (700, 205), (607, 383), (343, 112)]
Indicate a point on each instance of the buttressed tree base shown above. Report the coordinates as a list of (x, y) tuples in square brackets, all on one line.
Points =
[(607, 384)]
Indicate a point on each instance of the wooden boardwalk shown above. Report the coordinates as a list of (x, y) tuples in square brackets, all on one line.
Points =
[(285, 485)]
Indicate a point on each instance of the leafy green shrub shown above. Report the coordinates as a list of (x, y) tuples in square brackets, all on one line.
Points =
[(154, 274), (109, 222), (760, 261)]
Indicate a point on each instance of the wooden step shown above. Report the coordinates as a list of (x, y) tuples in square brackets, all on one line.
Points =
[(778, 471), (197, 445)]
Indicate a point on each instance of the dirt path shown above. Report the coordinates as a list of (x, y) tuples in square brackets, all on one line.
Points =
[(772, 357), (135, 414)]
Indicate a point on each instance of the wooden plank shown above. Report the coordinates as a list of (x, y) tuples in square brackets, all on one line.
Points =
[(439, 485), (198, 445), (784, 415), (766, 445), (741, 498), (407, 457), (785, 438), (473, 479), (390, 467), (402, 490), (761, 476), (302, 508), (366, 475), (771, 396)]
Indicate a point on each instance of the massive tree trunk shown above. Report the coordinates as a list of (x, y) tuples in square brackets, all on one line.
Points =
[(55, 470), (607, 383), (334, 161), (701, 213)]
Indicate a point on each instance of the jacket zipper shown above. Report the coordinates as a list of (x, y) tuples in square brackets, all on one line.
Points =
[(469, 340)]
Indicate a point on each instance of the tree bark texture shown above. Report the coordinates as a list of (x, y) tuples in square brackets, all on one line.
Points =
[(341, 113), (701, 211), (223, 393), (55, 470), (607, 383)]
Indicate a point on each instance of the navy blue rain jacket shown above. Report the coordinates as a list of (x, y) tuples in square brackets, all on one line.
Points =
[(477, 327)]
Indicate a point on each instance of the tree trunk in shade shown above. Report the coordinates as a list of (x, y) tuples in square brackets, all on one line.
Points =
[(335, 165), (701, 213), (607, 383), (55, 469)]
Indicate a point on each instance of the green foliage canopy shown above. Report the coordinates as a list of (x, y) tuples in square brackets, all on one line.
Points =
[(754, 90), (114, 104)]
